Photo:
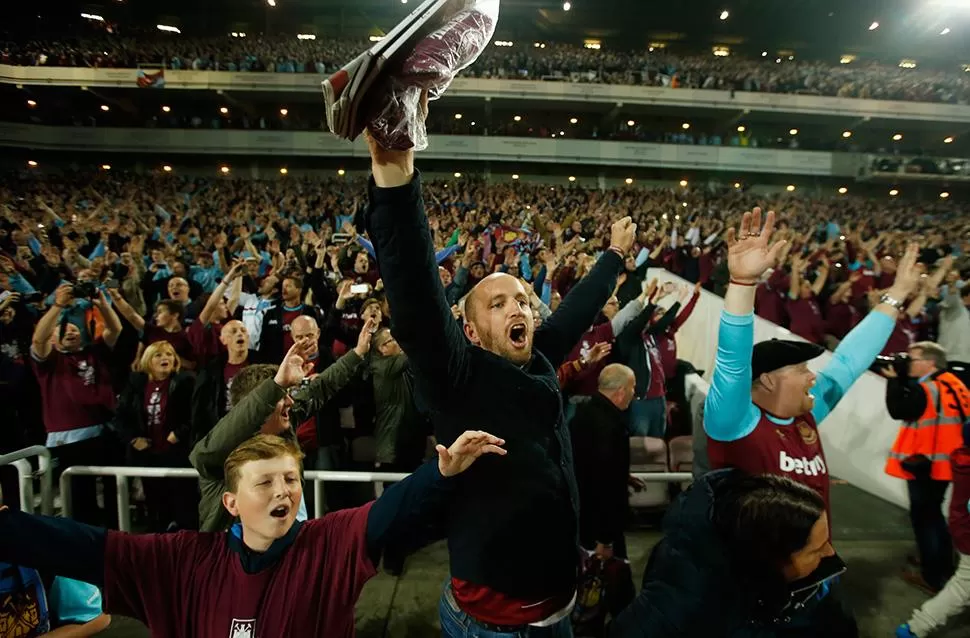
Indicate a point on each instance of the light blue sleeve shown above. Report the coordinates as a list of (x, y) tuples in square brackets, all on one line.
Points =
[(546, 295), (525, 266), (161, 212), (301, 514), (97, 252), (74, 602), (35, 246), (642, 256), (20, 284), (853, 357), (729, 413), (442, 254), (368, 246)]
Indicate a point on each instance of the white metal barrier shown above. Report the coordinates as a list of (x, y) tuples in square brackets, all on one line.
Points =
[(122, 474), (26, 476)]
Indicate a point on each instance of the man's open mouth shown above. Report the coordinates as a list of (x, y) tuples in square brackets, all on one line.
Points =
[(280, 511), (518, 336)]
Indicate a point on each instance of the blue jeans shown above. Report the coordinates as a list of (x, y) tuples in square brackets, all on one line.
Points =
[(648, 417), (457, 624)]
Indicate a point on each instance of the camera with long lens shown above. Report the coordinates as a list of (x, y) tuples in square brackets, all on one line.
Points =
[(85, 290), (898, 361)]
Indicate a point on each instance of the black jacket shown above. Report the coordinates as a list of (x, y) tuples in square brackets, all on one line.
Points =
[(209, 397), (629, 349), (130, 419), (527, 499), (601, 449), (693, 587)]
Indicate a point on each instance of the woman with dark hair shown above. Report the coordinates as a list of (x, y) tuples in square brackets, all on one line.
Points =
[(154, 421), (742, 557)]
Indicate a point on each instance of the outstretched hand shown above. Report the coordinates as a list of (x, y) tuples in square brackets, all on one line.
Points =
[(291, 371), (465, 450), (622, 234), (749, 254)]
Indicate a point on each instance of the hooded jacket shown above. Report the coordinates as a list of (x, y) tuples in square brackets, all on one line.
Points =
[(693, 587)]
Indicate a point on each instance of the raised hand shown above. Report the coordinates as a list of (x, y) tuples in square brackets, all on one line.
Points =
[(622, 234), (64, 295), (908, 277), (291, 372), (599, 352), (749, 254), (365, 337), (465, 450)]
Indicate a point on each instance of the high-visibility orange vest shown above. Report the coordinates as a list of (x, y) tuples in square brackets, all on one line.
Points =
[(936, 433)]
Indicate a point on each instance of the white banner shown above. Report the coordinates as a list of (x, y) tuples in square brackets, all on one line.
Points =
[(857, 435)]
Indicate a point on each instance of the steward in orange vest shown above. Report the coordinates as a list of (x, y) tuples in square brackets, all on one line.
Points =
[(938, 428)]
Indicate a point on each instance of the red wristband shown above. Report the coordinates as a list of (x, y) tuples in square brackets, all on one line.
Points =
[(744, 283)]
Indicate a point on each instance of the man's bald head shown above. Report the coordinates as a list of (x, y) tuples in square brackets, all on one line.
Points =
[(617, 383), (498, 318), (481, 291), (305, 331)]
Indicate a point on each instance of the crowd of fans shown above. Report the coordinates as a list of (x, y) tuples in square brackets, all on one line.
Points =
[(137, 311), (287, 54)]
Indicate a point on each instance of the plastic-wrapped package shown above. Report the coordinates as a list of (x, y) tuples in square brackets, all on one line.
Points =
[(394, 120)]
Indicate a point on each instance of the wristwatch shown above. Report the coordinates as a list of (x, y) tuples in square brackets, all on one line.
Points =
[(895, 303)]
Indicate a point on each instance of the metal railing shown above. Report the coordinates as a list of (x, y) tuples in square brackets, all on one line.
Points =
[(122, 474), (26, 476)]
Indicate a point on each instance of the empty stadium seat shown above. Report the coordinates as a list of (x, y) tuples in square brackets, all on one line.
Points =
[(681, 451)]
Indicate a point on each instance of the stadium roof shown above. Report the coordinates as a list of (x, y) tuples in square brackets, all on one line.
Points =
[(817, 29)]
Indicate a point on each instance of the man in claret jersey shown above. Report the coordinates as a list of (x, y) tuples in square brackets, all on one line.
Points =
[(270, 575), (764, 405)]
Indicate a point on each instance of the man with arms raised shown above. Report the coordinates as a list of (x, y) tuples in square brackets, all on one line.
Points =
[(513, 536), (764, 405)]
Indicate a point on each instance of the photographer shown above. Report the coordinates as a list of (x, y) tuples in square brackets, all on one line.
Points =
[(932, 403)]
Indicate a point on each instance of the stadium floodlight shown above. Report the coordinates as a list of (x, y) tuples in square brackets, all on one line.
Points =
[(566, 6), (843, 190), (167, 168), (457, 175), (725, 14), (683, 183), (106, 167), (629, 180), (893, 192), (92, 16), (793, 131), (873, 26), (167, 27), (685, 126), (573, 120), (32, 163), (305, 36), (341, 172), (572, 178), (224, 170), (105, 108), (742, 128), (764, 54), (790, 188), (897, 137), (271, 3), (31, 103), (846, 134), (166, 109), (458, 116), (945, 31), (944, 195), (375, 38), (284, 171), (631, 123), (947, 140), (515, 176)]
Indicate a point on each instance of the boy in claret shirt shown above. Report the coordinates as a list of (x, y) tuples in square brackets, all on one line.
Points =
[(269, 575)]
